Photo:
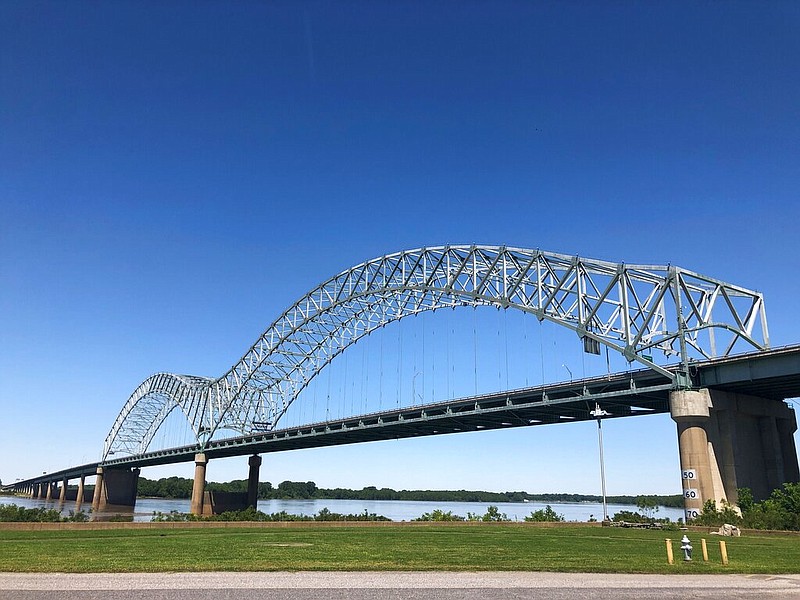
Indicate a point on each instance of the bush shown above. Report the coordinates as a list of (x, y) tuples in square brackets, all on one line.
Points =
[(20, 514), (629, 517), (251, 514), (713, 516), (492, 514), (780, 511), (440, 515), (545, 515), (174, 515), (14, 513), (77, 517)]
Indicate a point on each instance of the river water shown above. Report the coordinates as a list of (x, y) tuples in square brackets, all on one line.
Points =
[(396, 510)]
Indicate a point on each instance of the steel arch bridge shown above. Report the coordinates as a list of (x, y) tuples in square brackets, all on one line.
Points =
[(633, 309)]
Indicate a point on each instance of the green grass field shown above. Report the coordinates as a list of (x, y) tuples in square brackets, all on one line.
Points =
[(466, 547)]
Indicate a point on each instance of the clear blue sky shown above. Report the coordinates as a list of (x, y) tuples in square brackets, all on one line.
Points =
[(173, 175)]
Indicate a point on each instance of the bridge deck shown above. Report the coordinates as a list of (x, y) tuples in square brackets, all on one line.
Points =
[(771, 374)]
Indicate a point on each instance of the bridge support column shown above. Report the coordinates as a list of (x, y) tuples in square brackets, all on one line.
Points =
[(756, 441), (119, 489), (786, 428), (98, 490), (79, 496), (252, 482), (49, 496), (62, 496), (729, 441), (701, 478), (199, 486)]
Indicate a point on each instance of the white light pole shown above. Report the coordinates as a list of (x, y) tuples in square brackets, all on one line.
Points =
[(598, 413)]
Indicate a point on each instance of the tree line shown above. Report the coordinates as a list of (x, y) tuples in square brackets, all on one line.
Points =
[(180, 487)]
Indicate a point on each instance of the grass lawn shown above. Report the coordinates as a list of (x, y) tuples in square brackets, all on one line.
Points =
[(467, 547)]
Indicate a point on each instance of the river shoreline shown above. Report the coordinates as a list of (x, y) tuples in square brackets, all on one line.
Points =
[(396, 510)]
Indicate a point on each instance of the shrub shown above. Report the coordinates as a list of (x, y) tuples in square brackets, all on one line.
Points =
[(440, 515), (492, 514), (12, 512), (544, 515)]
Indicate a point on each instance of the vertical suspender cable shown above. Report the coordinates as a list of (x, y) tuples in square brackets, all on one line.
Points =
[(343, 399), (541, 349), (505, 334), (449, 357), (399, 363), (475, 347), (499, 351), (424, 364), (527, 355), (364, 372), (328, 399), (433, 362)]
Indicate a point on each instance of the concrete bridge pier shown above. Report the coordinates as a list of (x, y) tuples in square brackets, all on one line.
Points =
[(98, 489), (755, 437), (252, 482), (79, 496), (213, 503), (198, 489), (49, 496), (115, 489), (62, 496), (700, 476), (729, 441)]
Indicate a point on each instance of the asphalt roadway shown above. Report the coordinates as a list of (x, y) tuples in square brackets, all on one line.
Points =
[(392, 586)]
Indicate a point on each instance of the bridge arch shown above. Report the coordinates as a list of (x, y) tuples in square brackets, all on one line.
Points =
[(633, 309)]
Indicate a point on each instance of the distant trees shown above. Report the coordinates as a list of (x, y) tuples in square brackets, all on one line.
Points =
[(169, 487), (297, 489), (179, 487)]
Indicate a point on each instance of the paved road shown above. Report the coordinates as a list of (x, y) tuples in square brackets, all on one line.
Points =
[(393, 586)]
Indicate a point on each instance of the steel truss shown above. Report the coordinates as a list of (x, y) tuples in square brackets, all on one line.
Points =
[(633, 309)]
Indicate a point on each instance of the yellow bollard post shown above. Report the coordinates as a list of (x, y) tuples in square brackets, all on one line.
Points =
[(723, 550), (705, 549), (670, 558)]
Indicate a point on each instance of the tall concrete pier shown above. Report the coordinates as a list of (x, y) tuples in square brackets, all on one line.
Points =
[(209, 503), (252, 481), (729, 441), (115, 489), (198, 489)]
